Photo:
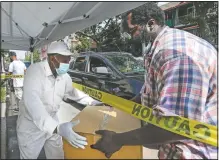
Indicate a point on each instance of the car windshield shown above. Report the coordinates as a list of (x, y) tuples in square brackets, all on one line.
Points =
[(126, 63)]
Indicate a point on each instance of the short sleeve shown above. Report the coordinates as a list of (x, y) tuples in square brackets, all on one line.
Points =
[(11, 67)]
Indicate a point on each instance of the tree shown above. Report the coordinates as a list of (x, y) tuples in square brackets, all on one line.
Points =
[(5, 53), (84, 44), (206, 16), (105, 34), (5, 58), (36, 56)]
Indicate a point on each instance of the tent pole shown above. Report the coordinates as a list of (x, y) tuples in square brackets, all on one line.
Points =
[(17, 25), (79, 17), (60, 21), (3, 89), (92, 9), (31, 57), (31, 49)]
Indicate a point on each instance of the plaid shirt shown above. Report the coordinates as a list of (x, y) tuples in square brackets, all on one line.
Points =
[(181, 77)]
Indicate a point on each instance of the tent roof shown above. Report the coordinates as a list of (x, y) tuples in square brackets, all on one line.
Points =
[(39, 23)]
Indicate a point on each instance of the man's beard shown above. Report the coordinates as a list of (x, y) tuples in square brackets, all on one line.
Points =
[(142, 37)]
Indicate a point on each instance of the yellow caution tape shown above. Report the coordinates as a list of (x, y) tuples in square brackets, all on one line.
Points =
[(186, 127), (11, 76)]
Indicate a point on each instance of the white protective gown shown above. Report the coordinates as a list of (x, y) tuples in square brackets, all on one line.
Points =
[(43, 94)]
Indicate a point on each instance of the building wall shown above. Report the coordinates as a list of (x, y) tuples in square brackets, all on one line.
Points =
[(174, 16)]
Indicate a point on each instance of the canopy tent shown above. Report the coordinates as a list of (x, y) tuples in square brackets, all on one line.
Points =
[(27, 25)]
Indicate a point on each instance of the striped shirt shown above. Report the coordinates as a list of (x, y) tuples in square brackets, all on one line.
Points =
[(181, 77)]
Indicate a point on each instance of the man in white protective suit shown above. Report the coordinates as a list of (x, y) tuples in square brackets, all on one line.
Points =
[(46, 85)]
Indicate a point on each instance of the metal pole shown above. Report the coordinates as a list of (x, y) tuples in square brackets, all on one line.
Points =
[(31, 48), (31, 57), (3, 97), (3, 110), (3, 90)]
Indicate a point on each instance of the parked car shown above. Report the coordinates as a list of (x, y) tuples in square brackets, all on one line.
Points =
[(27, 63), (112, 72)]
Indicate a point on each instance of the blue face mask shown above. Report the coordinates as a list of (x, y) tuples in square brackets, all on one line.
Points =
[(63, 68)]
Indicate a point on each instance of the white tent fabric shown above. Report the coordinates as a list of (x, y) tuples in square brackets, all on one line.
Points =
[(33, 24)]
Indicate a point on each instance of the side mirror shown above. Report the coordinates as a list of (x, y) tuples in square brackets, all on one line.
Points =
[(102, 70)]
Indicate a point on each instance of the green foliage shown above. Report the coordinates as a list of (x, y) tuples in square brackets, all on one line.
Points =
[(36, 56), (3, 51), (106, 35), (3, 94), (84, 44), (5, 54), (206, 17)]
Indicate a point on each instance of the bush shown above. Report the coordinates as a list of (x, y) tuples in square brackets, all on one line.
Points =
[(3, 94)]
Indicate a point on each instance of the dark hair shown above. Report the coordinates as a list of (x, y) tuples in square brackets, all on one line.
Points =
[(142, 14), (11, 53)]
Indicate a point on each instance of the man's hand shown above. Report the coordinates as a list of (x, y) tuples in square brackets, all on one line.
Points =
[(107, 144)]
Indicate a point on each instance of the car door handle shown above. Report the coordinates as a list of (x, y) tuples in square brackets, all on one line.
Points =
[(84, 78)]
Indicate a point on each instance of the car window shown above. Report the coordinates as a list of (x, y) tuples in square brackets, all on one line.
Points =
[(80, 64), (98, 66), (126, 63), (71, 64)]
